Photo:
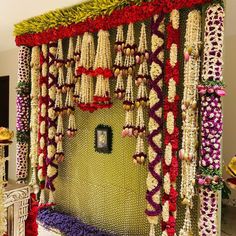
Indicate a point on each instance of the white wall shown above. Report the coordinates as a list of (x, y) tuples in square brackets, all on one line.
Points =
[(8, 67)]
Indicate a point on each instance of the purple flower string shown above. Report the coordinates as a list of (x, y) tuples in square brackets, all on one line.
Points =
[(211, 90)]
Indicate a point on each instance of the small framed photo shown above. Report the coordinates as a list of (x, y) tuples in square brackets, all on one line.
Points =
[(103, 139)]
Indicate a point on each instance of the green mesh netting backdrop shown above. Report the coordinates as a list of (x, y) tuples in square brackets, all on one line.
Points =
[(107, 190)]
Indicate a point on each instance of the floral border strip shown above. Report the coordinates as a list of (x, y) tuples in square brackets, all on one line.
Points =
[(115, 18), (211, 90), (188, 153), (171, 140), (23, 114), (51, 162), (35, 75), (154, 179), (43, 121)]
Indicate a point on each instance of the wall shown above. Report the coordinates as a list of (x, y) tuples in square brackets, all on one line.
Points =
[(8, 67)]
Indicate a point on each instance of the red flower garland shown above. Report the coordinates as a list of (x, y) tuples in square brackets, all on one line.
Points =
[(171, 106), (130, 14)]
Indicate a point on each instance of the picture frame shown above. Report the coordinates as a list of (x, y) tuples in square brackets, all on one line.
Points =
[(103, 139)]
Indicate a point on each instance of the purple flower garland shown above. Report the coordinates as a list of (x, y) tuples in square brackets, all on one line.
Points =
[(66, 224), (23, 107), (211, 90)]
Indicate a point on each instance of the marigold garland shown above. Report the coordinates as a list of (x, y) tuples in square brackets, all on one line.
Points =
[(23, 114), (171, 140), (211, 90), (154, 179), (188, 153), (77, 20), (43, 121), (52, 163), (35, 75)]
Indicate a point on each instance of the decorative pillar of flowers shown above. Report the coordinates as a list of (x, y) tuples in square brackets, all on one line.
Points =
[(70, 84), (85, 70), (141, 57), (188, 153), (23, 114), (154, 179), (52, 163), (43, 121), (77, 55), (35, 76), (211, 89), (59, 108), (119, 64), (129, 66), (171, 139), (102, 70)]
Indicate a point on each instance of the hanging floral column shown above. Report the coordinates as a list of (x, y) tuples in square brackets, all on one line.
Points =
[(211, 90), (52, 163), (23, 114), (171, 139), (154, 179), (188, 153), (35, 75), (43, 121)]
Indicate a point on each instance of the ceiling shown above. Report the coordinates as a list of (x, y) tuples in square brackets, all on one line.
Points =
[(14, 11)]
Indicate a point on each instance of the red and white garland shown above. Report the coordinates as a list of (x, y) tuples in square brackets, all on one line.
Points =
[(211, 91), (102, 70), (52, 163), (43, 121), (129, 66), (154, 179), (141, 57), (35, 76), (118, 66), (188, 153), (171, 140), (85, 70)]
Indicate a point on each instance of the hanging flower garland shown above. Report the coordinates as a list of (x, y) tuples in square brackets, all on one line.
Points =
[(77, 55), (59, 108), (154, 179), (211, 90), (52, 163), (129, 66), (35, 75), (119, 64), (188, 153), (23, 114), (70, 84), (43, 121), (171, 140), (85, 70), (141, 57), (103, 72)]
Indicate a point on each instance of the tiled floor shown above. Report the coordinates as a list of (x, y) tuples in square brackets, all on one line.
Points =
[(228, 226)]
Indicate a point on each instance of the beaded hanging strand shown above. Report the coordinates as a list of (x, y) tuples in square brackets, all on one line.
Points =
[(142, 98), (77, 55), (188, 153), (35, 75), (23, 114), (85, 70), (103, 72), (171, 133), (60, 89), (43, 121), (211, 90), (52, 163), (154, 180), (70, 84), (129, 66), (118, 64)]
